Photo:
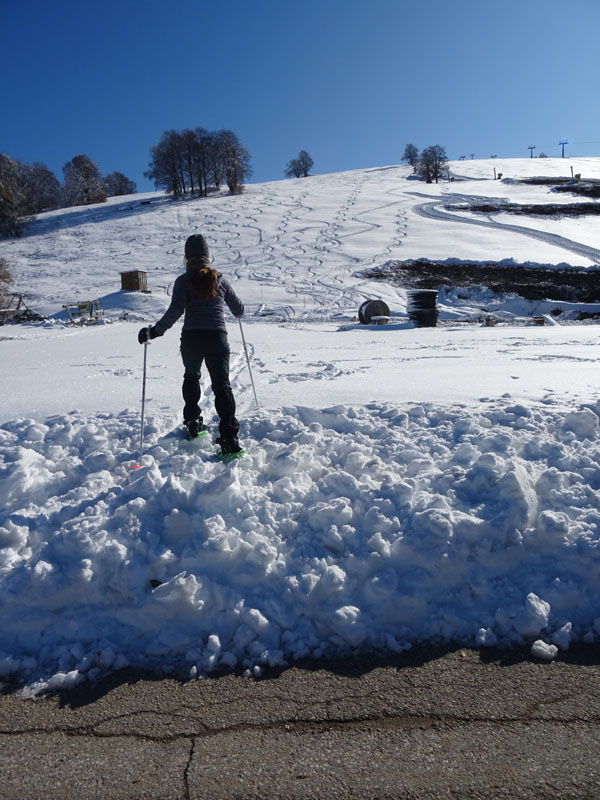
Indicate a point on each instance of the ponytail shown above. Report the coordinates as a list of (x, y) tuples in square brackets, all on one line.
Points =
[(204, 280)]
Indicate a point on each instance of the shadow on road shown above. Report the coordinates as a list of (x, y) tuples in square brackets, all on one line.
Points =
[(353, 666)]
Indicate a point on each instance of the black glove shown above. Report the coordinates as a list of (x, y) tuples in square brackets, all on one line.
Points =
[(145, 334)]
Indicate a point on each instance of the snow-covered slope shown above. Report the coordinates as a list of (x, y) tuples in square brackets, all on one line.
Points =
[(401, 485), (296, 244)]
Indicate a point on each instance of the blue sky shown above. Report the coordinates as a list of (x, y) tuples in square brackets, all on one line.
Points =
[(350, 81)]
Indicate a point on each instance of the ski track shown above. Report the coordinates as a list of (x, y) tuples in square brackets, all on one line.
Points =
[(431, 210), (276, 235), (303, 244)]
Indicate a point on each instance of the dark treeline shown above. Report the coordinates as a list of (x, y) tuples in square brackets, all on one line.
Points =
[(27, 189), (195, 161)]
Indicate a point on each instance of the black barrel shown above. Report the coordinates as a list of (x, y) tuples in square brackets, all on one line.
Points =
[(372, 308), (422, 307)]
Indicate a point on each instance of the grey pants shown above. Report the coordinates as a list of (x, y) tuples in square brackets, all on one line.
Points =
[(212, 348)]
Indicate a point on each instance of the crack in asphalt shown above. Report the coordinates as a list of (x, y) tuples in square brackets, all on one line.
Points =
[(372, 722), (186, 772)]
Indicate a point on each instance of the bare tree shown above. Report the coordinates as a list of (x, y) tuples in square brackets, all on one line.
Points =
[(188, 161), (166, 164), (179, 162), (41, 188), (432, 163), (116, 184), (306, 162), (6, 281), (293, 169), (12, 198), (300, 166), (200, 159), (216, 165), (411, 155), (24, 190), (188, 144), (83, 183), (27, 189), (236, 160)]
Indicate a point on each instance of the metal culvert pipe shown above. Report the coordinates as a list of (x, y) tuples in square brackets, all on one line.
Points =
[(422, 307), (372, 308)]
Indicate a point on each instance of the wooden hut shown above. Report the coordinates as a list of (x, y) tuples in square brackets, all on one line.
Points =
[(134, 281)]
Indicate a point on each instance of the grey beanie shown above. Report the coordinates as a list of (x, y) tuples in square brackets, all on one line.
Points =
[(196, 247)]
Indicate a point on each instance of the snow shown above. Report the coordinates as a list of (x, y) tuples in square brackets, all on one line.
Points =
[(401, 485)]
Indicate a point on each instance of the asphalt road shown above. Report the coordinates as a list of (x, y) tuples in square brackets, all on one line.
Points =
[(427, 724)]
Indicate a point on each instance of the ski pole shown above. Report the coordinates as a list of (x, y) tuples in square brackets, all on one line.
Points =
[(248, 362), (143, 405)]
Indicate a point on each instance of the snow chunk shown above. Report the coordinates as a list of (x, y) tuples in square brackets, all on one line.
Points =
[(486, 637), (534, 617), (546, 652), (346, 622), (583, 423), (562, 637)]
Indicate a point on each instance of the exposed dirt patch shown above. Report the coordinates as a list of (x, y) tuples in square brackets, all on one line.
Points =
[(541, 180), (589, 188), (576, 284)]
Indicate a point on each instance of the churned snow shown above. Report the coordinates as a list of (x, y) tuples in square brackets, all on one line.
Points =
[(401, 485)]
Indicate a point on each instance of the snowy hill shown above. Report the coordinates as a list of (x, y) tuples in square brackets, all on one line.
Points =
[(294, 240), (401, 484)]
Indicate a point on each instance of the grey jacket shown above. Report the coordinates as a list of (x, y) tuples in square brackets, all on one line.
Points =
[(200, 314)]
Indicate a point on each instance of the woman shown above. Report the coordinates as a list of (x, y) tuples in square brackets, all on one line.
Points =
[(202, 292)]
